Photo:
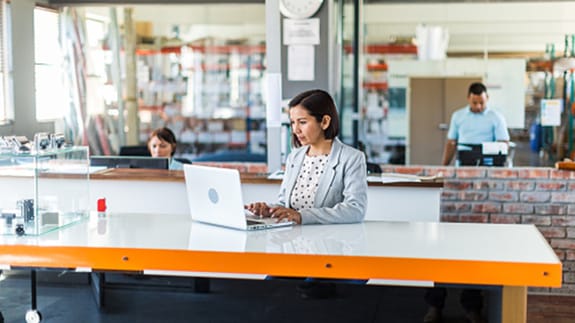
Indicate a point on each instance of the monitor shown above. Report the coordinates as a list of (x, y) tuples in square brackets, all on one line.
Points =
[(130, 162), (134, 151), (473, 155)]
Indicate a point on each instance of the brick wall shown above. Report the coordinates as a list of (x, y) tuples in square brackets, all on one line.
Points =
[(544, 197)]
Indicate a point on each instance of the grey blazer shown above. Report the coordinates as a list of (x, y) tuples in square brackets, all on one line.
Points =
[(341, 196)]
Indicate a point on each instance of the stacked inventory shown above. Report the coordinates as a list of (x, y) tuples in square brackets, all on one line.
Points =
[(211, 97), (385, 106)]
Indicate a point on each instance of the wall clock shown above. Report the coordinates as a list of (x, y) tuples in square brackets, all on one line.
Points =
[(299, 9)]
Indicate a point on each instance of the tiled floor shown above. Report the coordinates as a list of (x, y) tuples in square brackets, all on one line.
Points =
[(173, 300)]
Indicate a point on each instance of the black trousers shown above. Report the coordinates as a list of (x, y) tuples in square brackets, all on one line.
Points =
[(471, 299)]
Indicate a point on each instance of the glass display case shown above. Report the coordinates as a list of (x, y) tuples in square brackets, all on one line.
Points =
[(43, 190)]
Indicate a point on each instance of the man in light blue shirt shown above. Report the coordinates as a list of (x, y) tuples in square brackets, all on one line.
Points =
[(474, 124)]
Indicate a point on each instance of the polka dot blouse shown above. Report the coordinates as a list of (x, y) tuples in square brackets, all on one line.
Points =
[(303, 193)]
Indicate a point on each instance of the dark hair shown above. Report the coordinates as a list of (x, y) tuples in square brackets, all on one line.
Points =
[(318, 103), (476, 89), (166, 135)]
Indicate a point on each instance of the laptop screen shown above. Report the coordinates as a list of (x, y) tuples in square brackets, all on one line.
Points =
[(472, 155)]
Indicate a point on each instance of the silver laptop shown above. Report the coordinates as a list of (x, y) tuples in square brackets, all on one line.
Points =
[(215, 197)]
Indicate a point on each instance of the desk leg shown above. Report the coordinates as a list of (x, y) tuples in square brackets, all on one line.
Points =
[(98, 283), (201, 285), (33, 294), (514, 304), (33, 315)]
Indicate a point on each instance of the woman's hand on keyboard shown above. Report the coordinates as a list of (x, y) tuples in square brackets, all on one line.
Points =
[(260, 209), (286, 214)]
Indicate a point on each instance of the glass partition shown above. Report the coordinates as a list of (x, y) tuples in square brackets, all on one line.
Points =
[(209, 88), (199, 73), (349, 87), (477, 34)]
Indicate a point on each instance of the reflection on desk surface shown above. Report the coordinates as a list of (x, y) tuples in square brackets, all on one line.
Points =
[(459, 241), (319, 239), (311, 239)]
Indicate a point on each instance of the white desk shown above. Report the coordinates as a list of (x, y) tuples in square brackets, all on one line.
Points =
[(512, 256)]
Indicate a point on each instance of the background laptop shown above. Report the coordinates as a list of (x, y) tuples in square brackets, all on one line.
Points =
[(215, 197)]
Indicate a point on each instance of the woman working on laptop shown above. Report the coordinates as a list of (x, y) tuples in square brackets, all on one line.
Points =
[(325, 180)]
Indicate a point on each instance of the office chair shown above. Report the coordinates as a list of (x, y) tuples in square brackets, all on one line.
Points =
[(373, 168)]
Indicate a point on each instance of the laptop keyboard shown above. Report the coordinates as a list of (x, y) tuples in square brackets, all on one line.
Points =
[(249, 214), (252, 222)]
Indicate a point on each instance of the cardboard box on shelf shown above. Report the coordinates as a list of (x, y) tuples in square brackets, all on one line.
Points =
[(238, 124), (238, 137), (215, 125), (144, 28)]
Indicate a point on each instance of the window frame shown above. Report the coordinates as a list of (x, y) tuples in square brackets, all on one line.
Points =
[(50, 96), (6, 66)]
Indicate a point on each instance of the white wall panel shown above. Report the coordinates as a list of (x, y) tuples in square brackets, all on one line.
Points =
[(474, 27)]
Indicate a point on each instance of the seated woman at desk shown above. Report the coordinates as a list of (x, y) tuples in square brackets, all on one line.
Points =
[(162, 143), (325, 180)]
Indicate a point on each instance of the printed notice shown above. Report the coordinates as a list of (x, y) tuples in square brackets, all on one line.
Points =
[(274, 98), (300, 63), (551, 112), (301, 32)]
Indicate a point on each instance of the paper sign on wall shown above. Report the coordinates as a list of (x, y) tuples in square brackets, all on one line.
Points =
[(301, 32), (301, 62), (551, 112), (273, 99)]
